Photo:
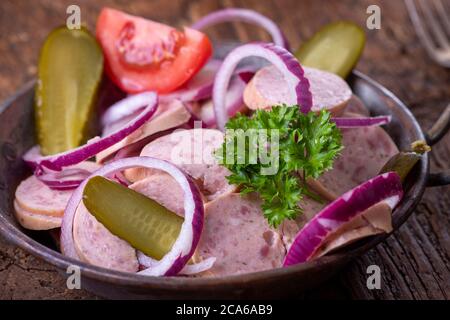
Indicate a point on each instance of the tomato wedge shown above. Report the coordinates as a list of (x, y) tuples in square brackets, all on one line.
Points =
[(143, 55)]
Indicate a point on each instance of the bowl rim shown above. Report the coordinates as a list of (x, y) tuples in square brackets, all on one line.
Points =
[(15, 236)]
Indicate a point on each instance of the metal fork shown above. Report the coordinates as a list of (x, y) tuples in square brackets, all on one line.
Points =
[(432, 25)]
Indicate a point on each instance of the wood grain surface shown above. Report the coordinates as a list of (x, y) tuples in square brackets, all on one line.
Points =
[(414, 261)]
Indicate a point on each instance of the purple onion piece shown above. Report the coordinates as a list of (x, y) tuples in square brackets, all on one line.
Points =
[(385, 187), (285, 62), (361, 121), (94, 146), (244, 15)]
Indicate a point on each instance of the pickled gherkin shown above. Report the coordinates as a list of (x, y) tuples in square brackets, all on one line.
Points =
[(69, 73), (137, 219), (335, 48), (403, 162)]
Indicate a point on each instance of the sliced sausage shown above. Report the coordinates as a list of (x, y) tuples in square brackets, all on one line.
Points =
[(355, 105), (96, 245), (238, 235), (35, 197), (192, 150), (290, 228), (33, 221), (163, 189), (168, 115), (268, 88), (365, 152), (205, 112)]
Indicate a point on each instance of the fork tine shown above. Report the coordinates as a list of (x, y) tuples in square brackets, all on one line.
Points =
[(435, 27), (443, 14), (420, 29)]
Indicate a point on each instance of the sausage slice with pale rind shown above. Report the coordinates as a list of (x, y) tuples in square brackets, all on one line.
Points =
[(98, 246), (34, 196), (191, 150), (290, 228), (366, 150), (38, 207), (268, 88), (237, 234), (33, 221), (356, 106), (162, 188)]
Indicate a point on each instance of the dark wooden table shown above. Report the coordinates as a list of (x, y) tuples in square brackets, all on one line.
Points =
[(414, 261)]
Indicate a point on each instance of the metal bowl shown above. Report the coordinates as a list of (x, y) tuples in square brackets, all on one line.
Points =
[(17, 136)]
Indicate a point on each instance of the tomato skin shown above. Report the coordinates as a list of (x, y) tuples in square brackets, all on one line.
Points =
[(163, 76)]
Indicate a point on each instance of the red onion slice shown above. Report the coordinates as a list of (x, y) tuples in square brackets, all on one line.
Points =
[(134, 149), (234, 102), (183, 249), (199, 87), (67, 179), (189, 269), (280, 57), (126, 107), (361, 121), (244, 15), (386, 187), (94, 146)]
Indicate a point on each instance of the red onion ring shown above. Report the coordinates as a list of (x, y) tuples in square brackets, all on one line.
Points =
[(183, 249), (342, 122), (126, 107), (199, 87), (280, 57), (67, 179), (94, 146), (385, 187), (234, 102), (189, 269), (245, 15), (134, 149)]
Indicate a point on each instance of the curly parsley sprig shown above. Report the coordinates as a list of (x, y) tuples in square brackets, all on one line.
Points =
[(307, 146)]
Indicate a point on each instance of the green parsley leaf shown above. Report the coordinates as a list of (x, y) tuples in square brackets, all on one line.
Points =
[(302, 145)]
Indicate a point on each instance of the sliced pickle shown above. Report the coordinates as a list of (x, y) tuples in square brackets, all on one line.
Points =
[(69, 73), (403, 162), (335, 48), (141, 221)]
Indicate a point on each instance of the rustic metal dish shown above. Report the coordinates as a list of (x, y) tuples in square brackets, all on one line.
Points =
[(17, 136)]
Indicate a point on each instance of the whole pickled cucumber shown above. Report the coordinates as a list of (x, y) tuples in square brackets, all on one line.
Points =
[(403, 162), (335, 48), (69, 73)]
